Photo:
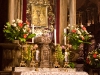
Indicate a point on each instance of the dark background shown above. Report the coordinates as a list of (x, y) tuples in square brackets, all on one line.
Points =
[(3, 20)]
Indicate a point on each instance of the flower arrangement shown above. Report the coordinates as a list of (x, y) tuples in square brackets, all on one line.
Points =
[(77, 36), (93, 58), (18, 31)]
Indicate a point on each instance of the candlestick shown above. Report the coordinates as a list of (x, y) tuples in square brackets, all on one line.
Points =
[(65, 36), (55, 36)]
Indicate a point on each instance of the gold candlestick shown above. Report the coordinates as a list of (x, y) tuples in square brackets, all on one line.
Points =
[(22, 60), (56, 64), (32, 64)]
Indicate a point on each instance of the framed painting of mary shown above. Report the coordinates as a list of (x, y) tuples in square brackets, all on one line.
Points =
[(39, 15)]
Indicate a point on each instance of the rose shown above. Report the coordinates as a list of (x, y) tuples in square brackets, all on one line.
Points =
[(95, 55)]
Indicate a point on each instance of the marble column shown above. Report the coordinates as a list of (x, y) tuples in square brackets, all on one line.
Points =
[(63, 20), (72, 13), (15, 10), (11, 10), (18, 9)]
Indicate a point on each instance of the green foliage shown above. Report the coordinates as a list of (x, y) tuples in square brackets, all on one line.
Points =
[(69, 65), (59, 55), (72, 65)]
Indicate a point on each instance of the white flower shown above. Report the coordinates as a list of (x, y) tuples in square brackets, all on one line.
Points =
[(67, 27), (90, 35), (5, 26), (13, 21), (77, 36), (81, 25), (14, 24), (24, 30), (19, 21), (96, 59), (86, 32), (78, 32), (27, 26)]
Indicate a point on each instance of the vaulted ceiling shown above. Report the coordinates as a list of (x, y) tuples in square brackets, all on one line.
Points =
[(84, 4)]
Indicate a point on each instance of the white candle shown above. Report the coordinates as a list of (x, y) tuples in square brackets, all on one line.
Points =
[(32, 33), (37, 55), (65, 36), (55, 37), (66, 56)]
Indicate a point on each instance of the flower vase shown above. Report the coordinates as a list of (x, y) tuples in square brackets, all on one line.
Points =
[(74, 55), (15, 41)]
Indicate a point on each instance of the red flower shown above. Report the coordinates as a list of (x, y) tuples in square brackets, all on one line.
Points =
[(20, 25), (87, 60), (83, 28), (63, 47), (82, 38), (25, 35), (94, 55), (74, 31)]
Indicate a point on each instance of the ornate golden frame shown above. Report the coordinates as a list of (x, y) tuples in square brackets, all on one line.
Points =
[(39, 15)]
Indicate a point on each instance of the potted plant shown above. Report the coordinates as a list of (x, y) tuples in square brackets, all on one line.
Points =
[(18, 31)]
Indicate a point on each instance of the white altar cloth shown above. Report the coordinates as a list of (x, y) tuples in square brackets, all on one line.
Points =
[(49, 71), (53, 73)]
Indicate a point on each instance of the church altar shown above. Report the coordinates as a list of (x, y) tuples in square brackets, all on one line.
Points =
[(47, 71)]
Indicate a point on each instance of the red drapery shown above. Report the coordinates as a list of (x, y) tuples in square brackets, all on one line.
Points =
[(57, 19), (24, 10)]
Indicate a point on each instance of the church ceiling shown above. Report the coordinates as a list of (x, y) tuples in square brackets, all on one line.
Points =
[(83, 5)]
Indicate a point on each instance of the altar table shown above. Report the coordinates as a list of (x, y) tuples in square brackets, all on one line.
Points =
[(51, 71)]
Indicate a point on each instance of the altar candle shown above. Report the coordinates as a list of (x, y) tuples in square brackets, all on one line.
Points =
[(65, 36), (32, 32), (66, 56), (55, 37), (37, 55)]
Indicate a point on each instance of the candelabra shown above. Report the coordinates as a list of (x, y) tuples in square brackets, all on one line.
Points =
[(32, 63), (22, 60), (56, 64)]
